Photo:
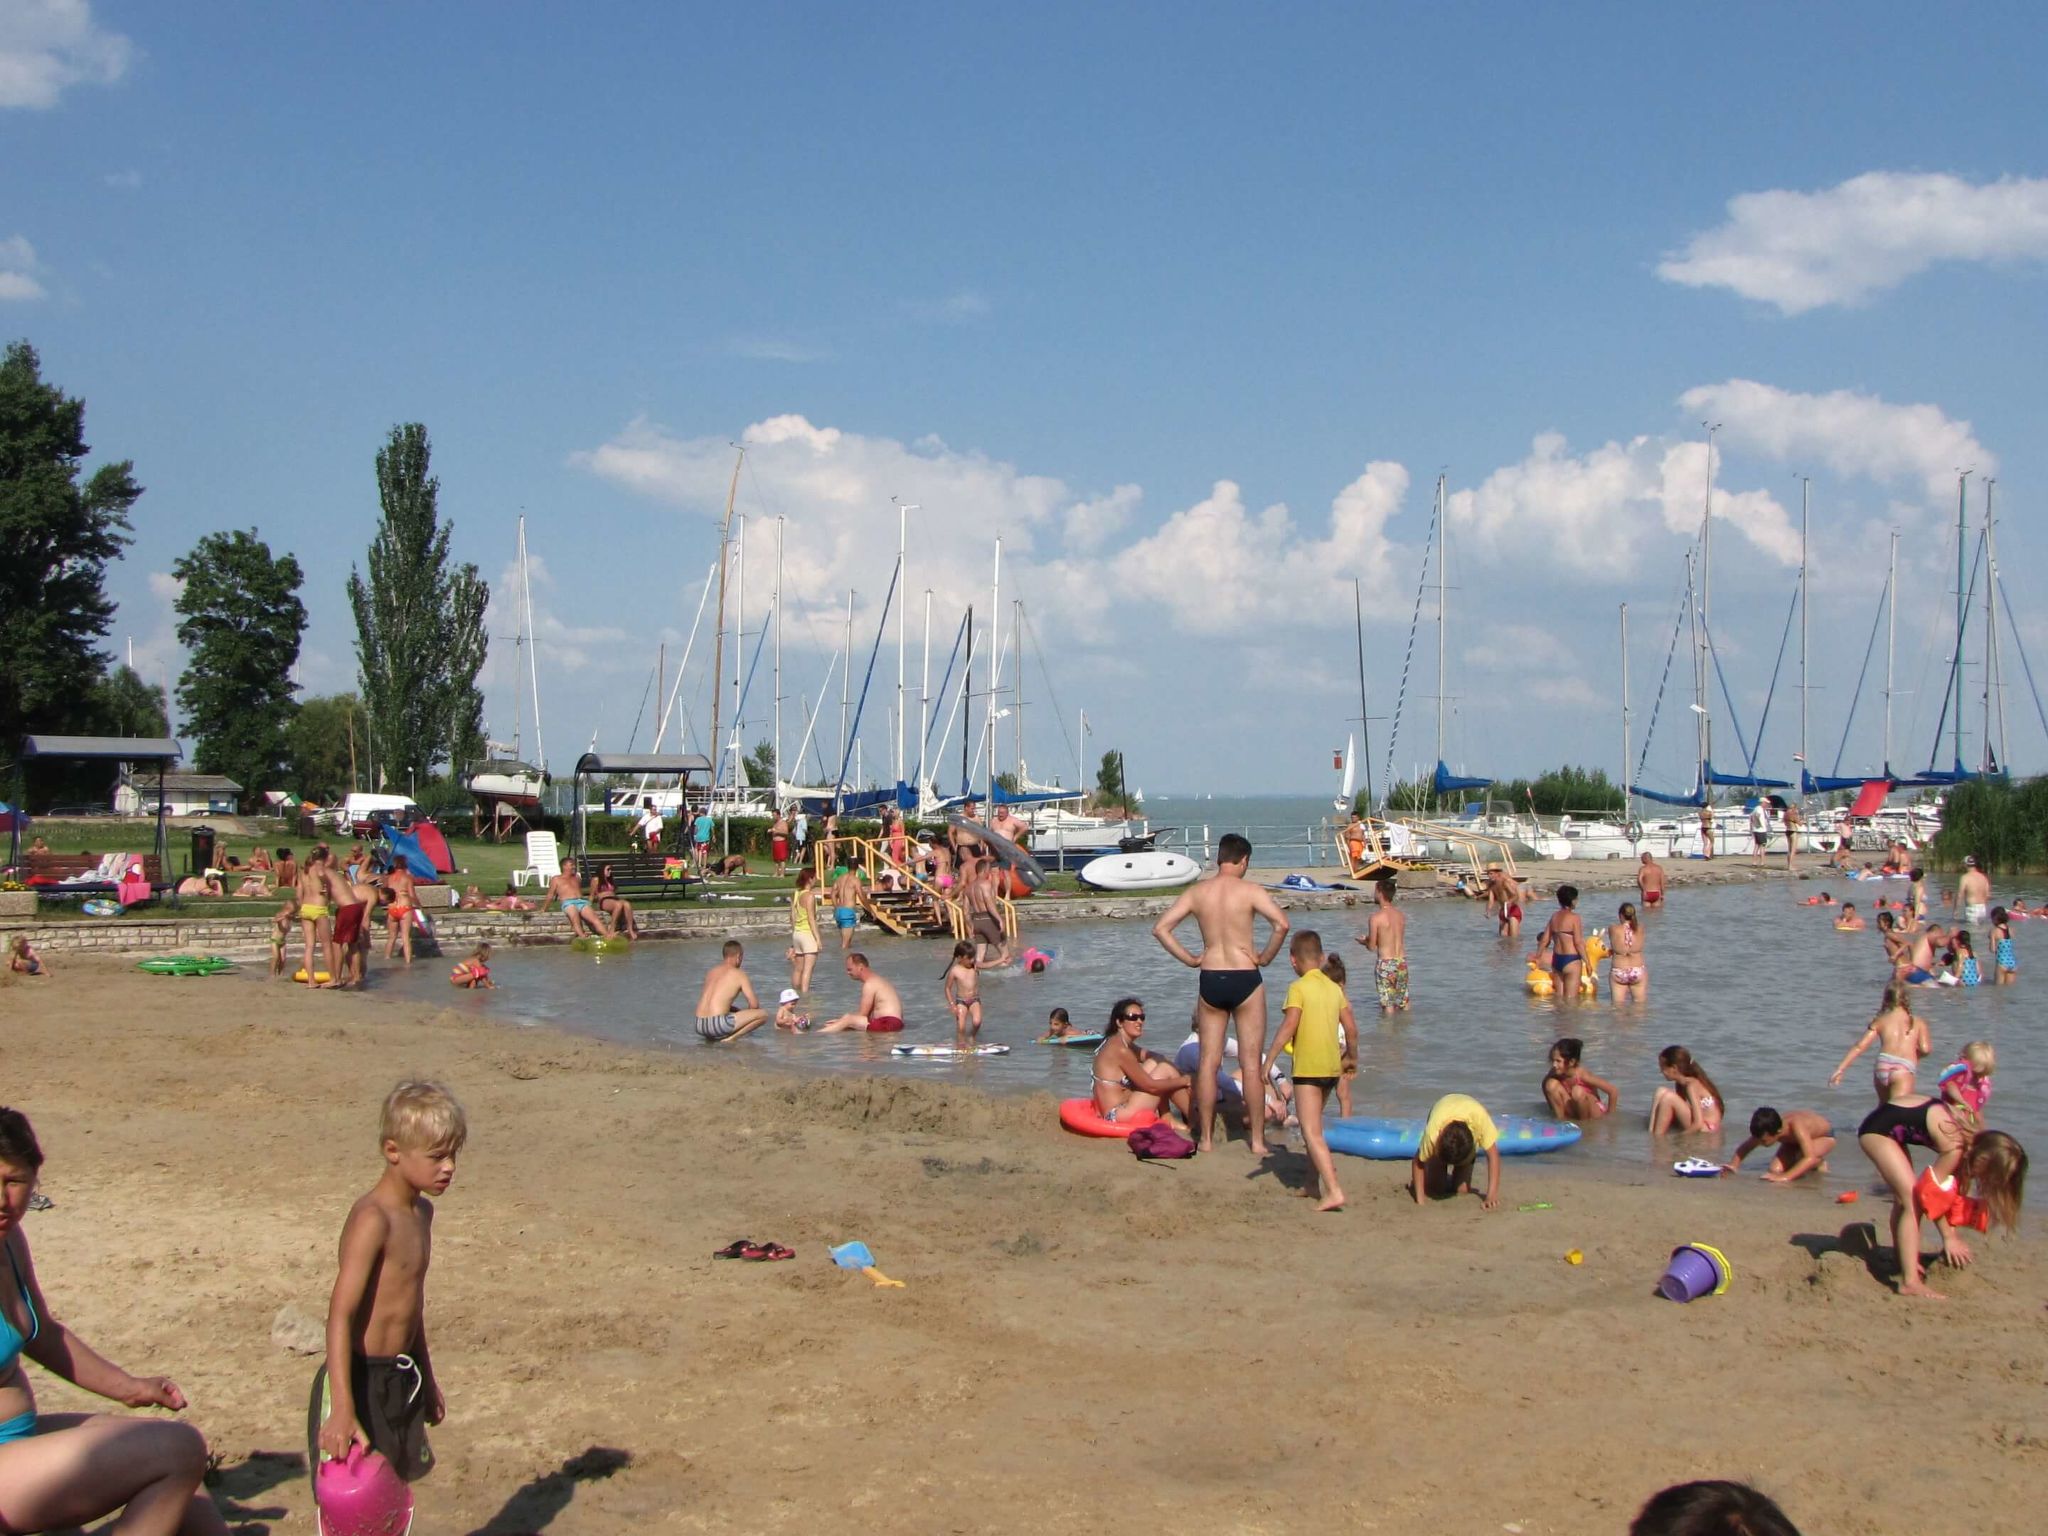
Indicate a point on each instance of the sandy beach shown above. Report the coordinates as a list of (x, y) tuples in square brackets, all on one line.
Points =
[(1084, 1342)]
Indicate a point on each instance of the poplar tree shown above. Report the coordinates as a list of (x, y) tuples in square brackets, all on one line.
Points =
[(240, 621)]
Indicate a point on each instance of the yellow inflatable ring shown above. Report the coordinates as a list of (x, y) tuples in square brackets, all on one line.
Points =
[(320, 976)]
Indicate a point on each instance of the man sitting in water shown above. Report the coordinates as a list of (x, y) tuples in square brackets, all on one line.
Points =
[(1848, 922), (718, 1017), (880, 1009), (567, 888)]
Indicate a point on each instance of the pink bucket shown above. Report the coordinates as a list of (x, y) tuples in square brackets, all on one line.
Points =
[(361, 1496)]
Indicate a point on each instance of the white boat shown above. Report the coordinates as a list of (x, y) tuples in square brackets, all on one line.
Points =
[(1062, 838), (1154, 871), (506, 783)]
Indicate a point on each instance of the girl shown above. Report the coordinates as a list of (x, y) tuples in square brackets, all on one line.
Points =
[(1692, 1103), (2002, 957), (1627, 974), (1901, 1039), (475, 971), (803, 930), (1573, 1092), (1564, 944), (1129, 1080), (1986, 1187), (23, 960), (1347, 1032), (281, 929), (1058, 1025), (604, 895), (1967, 973), (1898, 950), (963, 994), (1886, 1135), (1966, 1086)]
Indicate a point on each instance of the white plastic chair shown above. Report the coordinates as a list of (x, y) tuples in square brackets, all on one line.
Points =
[(543, 860)]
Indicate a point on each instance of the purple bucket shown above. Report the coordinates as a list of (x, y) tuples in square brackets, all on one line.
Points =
[(1690, 1275)]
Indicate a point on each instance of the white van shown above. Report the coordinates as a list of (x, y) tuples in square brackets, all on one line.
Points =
[(356, 809)]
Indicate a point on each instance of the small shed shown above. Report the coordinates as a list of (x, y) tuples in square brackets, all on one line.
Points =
[(180, 794), (682, 766)]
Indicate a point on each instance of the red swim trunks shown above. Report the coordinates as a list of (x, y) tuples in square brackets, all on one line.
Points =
[(884, 1024), (779, 848), (1514, 912), (348, 923), (1653, 898)]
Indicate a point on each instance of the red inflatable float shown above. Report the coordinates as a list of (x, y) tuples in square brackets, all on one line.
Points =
[(1082, 1117)]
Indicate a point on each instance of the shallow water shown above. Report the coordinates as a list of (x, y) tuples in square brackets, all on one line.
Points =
[(1763, 992)]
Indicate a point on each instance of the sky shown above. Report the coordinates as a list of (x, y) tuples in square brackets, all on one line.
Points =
[(1189, 306)]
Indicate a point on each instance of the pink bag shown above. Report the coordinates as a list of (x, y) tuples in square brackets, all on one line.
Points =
[(1160, 1141)]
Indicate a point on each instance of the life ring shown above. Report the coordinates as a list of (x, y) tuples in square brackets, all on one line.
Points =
[(185, 965), (320, 976), (1083, 1118)]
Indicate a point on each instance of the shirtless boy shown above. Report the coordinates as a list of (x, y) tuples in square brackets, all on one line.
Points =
[(1231, 992), (567, 888), (1504, 900), (880, 1009), (316, 917), (719, 1018), (1803, 1140), (352, 926), (377, 1387), (1387, 937), (846, 904), (1650, 881), (398, 917)]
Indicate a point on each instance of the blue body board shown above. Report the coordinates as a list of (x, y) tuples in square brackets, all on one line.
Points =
[(1395, 1139)]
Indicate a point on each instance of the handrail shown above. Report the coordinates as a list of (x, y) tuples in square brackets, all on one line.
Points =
[(873, 858)]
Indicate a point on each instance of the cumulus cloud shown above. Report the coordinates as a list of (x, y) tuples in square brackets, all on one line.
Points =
[(18, 268), (559, 644), (47, 46), (1840, 245), (1846, 432)]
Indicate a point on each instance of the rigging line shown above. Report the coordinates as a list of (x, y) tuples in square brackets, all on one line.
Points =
[(1677, 628), (1938, 626), (1772, 692), (853, 736), (1728, 698), (1408, 656), (738, 730), (944, 683), (1955, 662), (1869, 649), (634, 734), (2020, 646), (1059, 710)]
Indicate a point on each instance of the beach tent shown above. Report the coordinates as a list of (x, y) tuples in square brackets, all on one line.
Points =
[(421, 849)]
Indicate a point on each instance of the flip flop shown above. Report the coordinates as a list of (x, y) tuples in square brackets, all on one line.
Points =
[(768, 1253), (738, 1248)]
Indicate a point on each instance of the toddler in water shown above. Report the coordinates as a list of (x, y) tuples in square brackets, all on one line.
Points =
[(1803, 1140), (23, 960), (1966, 1086), (1573, 1092), (475, 971), (963, 994), (2006, 963), (786, 1016), (1692, 1103), (281, 929)]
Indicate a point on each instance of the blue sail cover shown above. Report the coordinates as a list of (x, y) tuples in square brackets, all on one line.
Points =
[(1741, 780), (1663, 797), (1444, 782)]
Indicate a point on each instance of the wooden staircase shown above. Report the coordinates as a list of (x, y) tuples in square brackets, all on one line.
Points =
[(906, 914)]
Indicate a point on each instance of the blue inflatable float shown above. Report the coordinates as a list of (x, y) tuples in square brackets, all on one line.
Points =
[(1391, 1139)]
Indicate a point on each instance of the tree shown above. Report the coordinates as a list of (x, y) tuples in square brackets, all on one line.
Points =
[(1109, 781), (321, 745), (124, 705), (420, 639), (760, 763), (240, 620), (56, 537)]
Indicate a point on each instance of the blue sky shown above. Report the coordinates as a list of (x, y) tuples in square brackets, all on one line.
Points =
[(1190, 304)]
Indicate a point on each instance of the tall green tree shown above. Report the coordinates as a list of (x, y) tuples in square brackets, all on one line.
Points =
[(322, 743), (124, 705), (240, 620), (420, 639), (1110, 789), (58, 529)]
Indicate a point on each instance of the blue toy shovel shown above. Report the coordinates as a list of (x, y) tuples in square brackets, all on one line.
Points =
[(856, 1256)]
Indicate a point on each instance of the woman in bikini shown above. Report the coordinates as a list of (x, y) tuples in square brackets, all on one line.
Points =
[(1901, 1038), (604, 895), (1692, 1102), (59, 1470), (1129, 1080), (1572, 1091), (1563, 945), (1628, 973)]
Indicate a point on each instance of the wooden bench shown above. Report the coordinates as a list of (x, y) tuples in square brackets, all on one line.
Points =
[(55, 867), (638, 874)]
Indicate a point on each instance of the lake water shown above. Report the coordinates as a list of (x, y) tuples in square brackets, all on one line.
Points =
[(1763, 992)]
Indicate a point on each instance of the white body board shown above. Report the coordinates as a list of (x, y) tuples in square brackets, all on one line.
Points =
[(1139, 871)]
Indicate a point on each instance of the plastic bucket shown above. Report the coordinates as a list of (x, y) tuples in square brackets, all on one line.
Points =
[(1694, 1271)]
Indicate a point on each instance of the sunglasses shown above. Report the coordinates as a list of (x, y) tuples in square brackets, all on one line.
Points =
[(1132, 1018)]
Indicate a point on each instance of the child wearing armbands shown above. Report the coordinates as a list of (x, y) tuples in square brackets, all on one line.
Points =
[(474, 972), (1966, 1086)]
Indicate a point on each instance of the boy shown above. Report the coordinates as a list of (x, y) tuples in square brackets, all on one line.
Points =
[(377, 1387), (1314, 1008), (1458, 1126), (845, 904), (1803, 1139)]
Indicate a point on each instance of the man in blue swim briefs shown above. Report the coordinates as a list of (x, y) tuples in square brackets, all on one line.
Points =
[(567, 888), (1231, 990)]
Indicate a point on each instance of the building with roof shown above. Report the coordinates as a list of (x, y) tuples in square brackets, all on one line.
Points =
[(182, 794)]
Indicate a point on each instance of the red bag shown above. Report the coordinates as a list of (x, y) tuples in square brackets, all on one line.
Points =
[(1160, 1141)]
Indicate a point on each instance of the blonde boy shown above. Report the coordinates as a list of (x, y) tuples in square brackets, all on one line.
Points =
[(377, 1388)]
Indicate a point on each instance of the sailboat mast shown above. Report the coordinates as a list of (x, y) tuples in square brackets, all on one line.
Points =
[(1017, 640), (1442, 559), (518, 638), (1962, 606), (1706, 612), (1699, 662), (1364, 723), (995, 662), (924, 695), (775, 750), (1891, 642), (902, 619), (1628, 799), (845, 675), (1994, 697), (739, 646), (967, 700), (1805, 509), (732, 493)]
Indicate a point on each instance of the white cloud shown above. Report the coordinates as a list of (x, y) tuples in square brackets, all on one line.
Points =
[(49, 45), (1091, 524), (123, 181), (954, 309), (1846, 432), (1840, 245), (18, 268), (559, 644)]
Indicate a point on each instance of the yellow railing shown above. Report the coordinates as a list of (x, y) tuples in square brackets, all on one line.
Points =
[(872, 859), (1378, 842)]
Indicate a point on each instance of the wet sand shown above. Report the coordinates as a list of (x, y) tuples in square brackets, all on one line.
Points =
[(1084, 1342)]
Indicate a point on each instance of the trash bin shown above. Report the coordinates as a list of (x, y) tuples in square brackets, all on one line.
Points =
[(202, 850)]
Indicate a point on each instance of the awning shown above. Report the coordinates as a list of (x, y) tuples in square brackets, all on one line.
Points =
[(125, 749)]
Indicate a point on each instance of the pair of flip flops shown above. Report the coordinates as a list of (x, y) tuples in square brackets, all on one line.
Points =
[(759, 1253)]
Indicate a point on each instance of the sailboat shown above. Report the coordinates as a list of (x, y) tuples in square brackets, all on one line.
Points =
[(502, 783)]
